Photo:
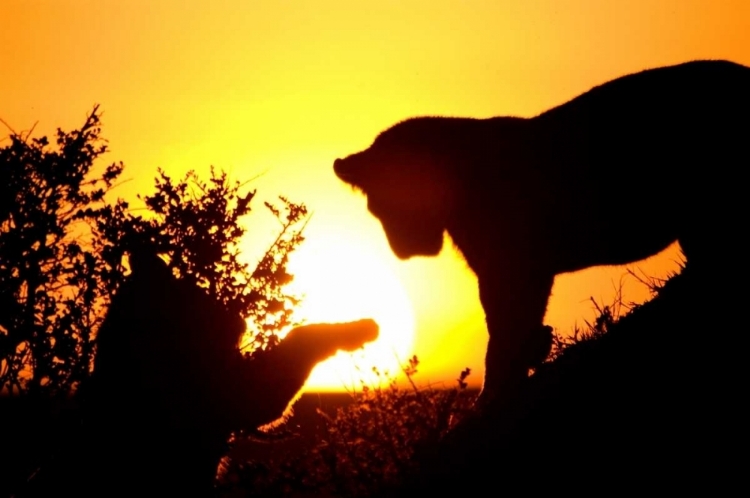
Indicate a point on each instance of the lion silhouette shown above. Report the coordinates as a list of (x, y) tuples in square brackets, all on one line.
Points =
[(611, 177), (170, 384)]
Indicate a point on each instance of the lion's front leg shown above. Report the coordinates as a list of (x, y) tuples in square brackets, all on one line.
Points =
[(518, 339)]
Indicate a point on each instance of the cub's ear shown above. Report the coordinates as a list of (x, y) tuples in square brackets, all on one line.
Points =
[(144, 261)]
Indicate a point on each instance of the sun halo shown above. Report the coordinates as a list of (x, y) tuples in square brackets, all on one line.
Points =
[(341, 281)]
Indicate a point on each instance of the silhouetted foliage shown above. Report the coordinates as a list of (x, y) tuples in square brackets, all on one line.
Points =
[(62, 247), (198, 223), (54, 280), (371, 445), (607, 315)]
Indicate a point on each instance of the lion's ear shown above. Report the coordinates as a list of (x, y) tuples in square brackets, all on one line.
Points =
[(342, 169), (354, 170), (347, 170)]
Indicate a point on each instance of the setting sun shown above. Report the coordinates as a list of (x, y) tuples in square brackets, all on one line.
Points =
[(341, 286)]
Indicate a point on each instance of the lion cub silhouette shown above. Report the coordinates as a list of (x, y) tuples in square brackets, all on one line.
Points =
[(611, 177), (170, 384)]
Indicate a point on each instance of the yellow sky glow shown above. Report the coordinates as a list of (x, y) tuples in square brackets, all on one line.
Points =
[(284, 88)]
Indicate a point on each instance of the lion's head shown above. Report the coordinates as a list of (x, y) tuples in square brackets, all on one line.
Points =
[(406, 175)]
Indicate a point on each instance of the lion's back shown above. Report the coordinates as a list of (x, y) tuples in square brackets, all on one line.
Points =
[(650, 128), (693, 100), (697, 89)]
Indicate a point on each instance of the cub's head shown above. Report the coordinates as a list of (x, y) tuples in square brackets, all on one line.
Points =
[(407, 175)]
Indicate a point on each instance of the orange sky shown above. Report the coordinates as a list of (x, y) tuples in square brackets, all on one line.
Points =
[(283, 88)]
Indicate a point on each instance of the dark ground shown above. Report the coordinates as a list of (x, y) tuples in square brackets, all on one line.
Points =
[(658, 404), (655, 405), (305, 427), (36, 436)]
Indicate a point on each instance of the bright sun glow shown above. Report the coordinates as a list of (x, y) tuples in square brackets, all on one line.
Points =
[(340, 284)]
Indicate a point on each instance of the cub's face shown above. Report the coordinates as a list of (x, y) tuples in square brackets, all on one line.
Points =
[(405, 188)]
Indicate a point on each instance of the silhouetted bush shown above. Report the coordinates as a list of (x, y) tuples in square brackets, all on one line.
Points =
[(370, 445), (54, 277), (62, 247)]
